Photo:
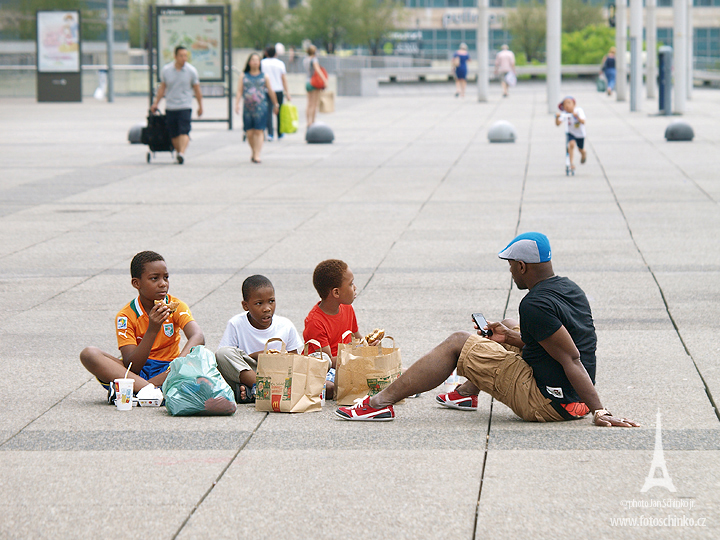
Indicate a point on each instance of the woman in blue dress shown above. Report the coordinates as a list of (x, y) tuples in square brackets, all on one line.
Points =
[(608, 68), (460, 60), (253, 89)]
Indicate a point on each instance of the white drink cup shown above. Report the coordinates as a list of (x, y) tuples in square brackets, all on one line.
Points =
[(124, 394)]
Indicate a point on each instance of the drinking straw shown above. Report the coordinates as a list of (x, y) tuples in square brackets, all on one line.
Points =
[(128, 370)]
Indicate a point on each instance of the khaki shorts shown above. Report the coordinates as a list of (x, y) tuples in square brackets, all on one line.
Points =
[(500, 371), (232, 361)]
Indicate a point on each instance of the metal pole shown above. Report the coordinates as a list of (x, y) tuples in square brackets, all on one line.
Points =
[(651, 43), (636, 26), (483, 52), (621, 49), (680, 54), (229, 64), (554, 25), (151, 70), (690, 47), (110, 47)]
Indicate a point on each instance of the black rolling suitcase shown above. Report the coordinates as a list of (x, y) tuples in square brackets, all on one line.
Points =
[(156, 136)]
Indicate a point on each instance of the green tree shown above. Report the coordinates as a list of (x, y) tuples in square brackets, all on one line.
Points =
[(527, 25), (258, 23), (588, 45), (577, 14), (375, 20), (328, 22)]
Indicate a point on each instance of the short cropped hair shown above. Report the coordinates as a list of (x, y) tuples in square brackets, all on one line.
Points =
[(253, 283), (137, 265), (270, 51), (328, 275), (179, 48)]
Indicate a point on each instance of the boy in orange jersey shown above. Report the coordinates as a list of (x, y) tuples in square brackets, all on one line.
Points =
[(147, 330)]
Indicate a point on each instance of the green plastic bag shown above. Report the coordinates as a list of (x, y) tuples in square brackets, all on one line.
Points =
[(195, 386), (289, 122)]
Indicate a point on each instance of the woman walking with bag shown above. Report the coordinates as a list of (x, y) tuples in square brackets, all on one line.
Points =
[(316, 82), (253, 89)]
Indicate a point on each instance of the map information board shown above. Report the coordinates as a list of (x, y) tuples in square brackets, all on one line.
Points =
[(200, 30)]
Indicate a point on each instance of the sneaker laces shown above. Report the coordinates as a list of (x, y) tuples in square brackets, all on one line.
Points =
[(359, 403)]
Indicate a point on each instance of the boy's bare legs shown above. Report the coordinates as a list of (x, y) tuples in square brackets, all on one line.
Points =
[(425, 374), (108, 368), (571, 151), (247, 377)]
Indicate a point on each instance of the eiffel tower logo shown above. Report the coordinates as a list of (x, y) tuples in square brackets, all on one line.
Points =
[(658, 462)]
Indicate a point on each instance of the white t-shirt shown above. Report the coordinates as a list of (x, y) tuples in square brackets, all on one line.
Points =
[(243, 335), (274, 68), (572, 126)]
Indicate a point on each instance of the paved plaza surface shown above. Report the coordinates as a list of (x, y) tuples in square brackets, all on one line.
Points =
[(418, 202)]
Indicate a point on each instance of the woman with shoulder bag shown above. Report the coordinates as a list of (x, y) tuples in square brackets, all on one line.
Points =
[(316, 82)]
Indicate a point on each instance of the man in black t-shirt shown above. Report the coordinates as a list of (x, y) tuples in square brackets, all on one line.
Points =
[(542, 368)]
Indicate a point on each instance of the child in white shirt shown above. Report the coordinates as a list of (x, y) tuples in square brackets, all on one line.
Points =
[(573, 117), (247, 333)]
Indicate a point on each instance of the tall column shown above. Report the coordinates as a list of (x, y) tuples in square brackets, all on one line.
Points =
[(621, 52), (651, 43), (483, 51), (636, 47), (110, 47), (554, 32), (680, 54), (690, 48)]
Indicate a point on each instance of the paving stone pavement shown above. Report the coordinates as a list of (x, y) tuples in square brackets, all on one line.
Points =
[(418, 202)]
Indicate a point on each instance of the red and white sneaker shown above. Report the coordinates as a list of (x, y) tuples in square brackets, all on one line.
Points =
[(364, 412), (453, 400)]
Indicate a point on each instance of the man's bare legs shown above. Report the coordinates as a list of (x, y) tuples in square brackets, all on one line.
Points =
[(181, 143), (426, 373)]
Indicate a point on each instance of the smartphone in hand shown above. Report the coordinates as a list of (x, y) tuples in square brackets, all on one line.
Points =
[(481, 324)]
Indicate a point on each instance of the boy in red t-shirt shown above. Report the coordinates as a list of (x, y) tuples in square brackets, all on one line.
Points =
[(334, 315)]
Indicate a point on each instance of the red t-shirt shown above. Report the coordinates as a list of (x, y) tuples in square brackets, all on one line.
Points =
[(328, 329)]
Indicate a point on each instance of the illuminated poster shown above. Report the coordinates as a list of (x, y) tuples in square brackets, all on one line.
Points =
[(200, 31), (58, 41)]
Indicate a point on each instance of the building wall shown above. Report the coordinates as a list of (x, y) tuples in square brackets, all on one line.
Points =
[(444, 24)]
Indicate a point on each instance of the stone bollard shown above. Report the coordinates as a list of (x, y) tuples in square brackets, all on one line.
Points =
[(135, 134), (319, 133), (679, 131), (502, 132)]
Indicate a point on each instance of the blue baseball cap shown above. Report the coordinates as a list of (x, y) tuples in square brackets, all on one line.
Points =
[(529, 247)]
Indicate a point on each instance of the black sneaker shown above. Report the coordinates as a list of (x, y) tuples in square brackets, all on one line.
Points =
[(180, 159)]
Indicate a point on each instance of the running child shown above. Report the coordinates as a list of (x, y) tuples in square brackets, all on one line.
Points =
[(573, 117), (334, 315), (148, 330), (247, 333)]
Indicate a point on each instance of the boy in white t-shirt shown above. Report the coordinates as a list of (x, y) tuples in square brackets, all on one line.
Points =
[(573, 117), (246, 334)]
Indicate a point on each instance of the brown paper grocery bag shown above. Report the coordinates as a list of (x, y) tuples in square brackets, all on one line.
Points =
[(363, 370), (327, 102), (289, 382)]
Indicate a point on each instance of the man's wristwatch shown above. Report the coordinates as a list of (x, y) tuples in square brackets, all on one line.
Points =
[(599, 413)]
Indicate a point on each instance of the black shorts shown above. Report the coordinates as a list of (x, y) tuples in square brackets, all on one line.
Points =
[(579, 140), (178, 122)]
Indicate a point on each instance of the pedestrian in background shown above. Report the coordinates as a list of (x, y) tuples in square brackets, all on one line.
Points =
[(179, 81), (312, 66), (504, 64), (275, 70), (460, 60), (608, 69), (253, 89)]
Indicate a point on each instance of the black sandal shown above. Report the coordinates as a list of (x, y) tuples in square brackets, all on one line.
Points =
[(249, 394)]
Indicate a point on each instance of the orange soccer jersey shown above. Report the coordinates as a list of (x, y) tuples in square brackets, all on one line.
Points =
[(132, 323)]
